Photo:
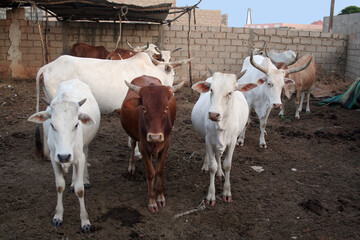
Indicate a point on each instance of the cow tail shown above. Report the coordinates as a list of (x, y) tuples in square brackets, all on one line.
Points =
[(39, 73), (39, 154)]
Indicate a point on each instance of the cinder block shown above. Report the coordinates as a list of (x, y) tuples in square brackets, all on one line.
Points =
[(231, 36), (304, 33), (305, 40), (275, 39)]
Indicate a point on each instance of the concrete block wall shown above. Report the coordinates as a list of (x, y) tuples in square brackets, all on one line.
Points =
[(223, 48)]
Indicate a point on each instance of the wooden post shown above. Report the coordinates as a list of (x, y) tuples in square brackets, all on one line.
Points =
[(331, 19), (189, 47)]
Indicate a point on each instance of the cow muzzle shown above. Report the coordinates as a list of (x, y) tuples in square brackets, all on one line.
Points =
[(155, 137), (214, 116), (277, 105), (64, 158)]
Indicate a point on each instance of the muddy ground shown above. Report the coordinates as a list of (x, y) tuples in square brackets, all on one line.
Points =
[(309, 189)]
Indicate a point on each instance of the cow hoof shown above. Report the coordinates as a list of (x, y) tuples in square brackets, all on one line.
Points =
[(161, 203), (227, 198), (86, 186), (210, 202), (56, 222), (71, 189), (153, 209), (131, 171), (263, 146), (221, 178), (87, 228)]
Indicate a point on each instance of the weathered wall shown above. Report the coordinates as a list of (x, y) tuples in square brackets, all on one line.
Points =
[(348, 24), (223, 48)]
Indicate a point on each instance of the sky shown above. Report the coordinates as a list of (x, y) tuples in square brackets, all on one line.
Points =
[(272, 11)]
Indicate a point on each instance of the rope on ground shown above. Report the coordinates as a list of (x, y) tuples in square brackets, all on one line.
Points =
[(201, 206)]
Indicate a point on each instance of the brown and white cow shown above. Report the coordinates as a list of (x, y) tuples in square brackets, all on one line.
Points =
[(147, 115), (304, 81), (88, 51), (120, 54)]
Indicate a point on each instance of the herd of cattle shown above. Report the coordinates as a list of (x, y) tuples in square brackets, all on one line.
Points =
[(138, 84)]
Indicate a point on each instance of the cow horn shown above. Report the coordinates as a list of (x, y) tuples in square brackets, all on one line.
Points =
[(145, 47), (251, 45), (127, 42), (257, 65), (294, 60), (210, 70), (176, 49), (154, 61), (272, 60), (82, 102), (133, 87), (177, 86), (45, 101), (181, 62), (298, 69), (239, 75), (158, 50)]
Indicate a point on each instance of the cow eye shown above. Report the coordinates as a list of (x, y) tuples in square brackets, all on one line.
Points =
[(52, 126), (144, 109), (269, 84), (76, 125), (166, 109), (229, 94)]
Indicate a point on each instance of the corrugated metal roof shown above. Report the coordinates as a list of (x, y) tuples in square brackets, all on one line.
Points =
[(96, 10)]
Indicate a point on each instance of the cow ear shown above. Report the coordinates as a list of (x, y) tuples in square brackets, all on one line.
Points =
[(244, 87), (261, 81), (86, 119), (289, 81), (201, 87), (39, 117)]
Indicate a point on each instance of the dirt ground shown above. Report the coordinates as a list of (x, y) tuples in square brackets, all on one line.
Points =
[(309, 189)]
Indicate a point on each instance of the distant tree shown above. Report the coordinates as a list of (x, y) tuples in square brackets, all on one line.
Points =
[(350, 9)]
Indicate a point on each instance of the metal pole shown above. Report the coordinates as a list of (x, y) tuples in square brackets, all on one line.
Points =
[(331, 15)]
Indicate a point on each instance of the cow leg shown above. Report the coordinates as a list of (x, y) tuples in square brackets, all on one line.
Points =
[(263, 122), (150, 175), (60, 186), (80, 193), (226, 195), (298, 103), (283, 100), (205, 166), (219, 173), (160, 200), (241, 138), (210, 199), (137, 152), (131, 168), (308, 102), (86, 172)]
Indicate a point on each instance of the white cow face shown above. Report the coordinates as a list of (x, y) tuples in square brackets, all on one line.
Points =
[(221, 93), (274, 83), (64, 122)]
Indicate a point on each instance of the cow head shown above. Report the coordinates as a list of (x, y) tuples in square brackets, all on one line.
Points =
[(274, 80), (258, 51), (156, 104), (221, 92), (63, 122)]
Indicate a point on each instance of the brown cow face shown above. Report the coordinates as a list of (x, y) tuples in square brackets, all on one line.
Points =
[(155, 110)]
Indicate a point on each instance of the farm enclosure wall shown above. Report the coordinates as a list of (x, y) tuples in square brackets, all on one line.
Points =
[(223, 48)]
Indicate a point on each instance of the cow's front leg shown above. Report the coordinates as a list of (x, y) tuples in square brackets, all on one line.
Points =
[(226, 195), (131, 168), (160, 200), (263, 122), (150, 175), (308, 102), (80, 193), (60, 187), (210, 199)]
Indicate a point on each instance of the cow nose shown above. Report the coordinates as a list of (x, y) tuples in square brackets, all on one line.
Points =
[(214, 116), (276, 105), (64, 158), (155, 137)]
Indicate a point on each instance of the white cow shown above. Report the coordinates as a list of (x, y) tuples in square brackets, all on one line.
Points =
[(267, 96), (219, 116), (154, 51), (70, 123), (104, 77), (288, 57)]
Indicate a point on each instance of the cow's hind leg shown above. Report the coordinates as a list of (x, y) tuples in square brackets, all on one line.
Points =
[(150, 176), (263, 122), (241, 138), (299, 102), (308, 102), (80, 193), (205, 166)]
